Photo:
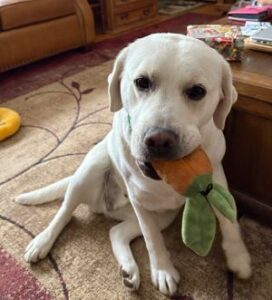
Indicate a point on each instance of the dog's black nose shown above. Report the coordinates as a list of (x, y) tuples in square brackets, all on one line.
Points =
[(160, 143)]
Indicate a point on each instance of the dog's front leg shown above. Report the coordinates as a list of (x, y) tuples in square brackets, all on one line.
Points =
[(164, 275), (85, 186), (238, 258)]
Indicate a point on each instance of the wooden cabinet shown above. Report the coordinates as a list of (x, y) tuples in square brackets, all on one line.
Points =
[(120, 15), (248, 160)]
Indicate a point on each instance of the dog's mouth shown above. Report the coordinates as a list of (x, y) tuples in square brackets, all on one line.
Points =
[(148, 170)]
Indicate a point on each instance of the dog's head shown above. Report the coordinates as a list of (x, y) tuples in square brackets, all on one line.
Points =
[(170, 85)]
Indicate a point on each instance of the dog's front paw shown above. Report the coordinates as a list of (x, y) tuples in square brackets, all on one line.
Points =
[(240, 264), (38, 248), (238, 258), (165, 278), (131, 276)]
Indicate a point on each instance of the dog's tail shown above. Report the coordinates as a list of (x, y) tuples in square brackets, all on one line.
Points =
[(46, 194)]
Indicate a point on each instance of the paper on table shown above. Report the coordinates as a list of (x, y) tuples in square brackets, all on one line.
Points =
[(251, 28)]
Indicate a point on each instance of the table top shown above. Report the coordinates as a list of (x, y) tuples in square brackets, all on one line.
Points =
[(253, 75)]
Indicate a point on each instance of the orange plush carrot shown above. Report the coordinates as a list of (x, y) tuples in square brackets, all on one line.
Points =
[(181, 173), (191, 176)]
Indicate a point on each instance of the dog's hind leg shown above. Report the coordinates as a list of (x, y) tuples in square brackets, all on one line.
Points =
[(43, 242), (85, 186), (122, 234), (45, 194)]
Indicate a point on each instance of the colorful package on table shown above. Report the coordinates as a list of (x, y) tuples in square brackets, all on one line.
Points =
[(226, 39)]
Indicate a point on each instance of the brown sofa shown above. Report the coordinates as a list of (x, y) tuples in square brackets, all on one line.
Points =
[(34, 29)]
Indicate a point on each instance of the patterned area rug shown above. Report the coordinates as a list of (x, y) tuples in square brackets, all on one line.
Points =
[(61, 122)]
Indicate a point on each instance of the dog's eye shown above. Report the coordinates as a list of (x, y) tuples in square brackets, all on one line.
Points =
[(196, 92), (143, 83)]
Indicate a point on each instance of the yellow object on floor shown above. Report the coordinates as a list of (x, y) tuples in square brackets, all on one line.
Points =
[(9, 122)]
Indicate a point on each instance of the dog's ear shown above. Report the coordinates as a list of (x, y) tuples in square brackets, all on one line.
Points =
[(229, 96), (114, 81)]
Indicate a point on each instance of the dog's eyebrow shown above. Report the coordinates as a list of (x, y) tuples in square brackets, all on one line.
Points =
[(149, 74), (195, 79), (147, 71)]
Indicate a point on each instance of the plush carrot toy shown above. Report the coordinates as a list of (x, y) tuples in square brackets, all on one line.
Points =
[(191, 176)]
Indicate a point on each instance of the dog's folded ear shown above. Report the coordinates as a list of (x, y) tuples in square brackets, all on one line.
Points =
[(229, 96), (114, 81)]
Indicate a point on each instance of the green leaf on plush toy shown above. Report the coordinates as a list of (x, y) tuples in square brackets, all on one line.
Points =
[(226, 194), (222, 201), (198, 225), (198, 185)]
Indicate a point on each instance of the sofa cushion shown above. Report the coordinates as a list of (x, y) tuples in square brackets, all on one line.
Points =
[(18, 13)]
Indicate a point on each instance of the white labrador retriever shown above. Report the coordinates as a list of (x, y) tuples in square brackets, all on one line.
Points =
[(170, 93)]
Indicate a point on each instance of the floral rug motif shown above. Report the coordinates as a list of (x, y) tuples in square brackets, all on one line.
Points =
[(60, 123)]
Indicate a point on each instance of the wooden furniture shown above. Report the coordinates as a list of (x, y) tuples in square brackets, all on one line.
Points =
[(34, 29), (121, 15), (224, 5), (250, 44), (248, 160)]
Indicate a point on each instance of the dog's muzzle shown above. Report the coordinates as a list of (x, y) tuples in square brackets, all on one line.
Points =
[(158, 144)]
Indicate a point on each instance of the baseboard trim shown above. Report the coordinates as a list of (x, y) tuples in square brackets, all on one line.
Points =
[(257, 210)]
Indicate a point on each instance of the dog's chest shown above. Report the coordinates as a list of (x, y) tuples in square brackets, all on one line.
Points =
[(152, 194), (155, 195)]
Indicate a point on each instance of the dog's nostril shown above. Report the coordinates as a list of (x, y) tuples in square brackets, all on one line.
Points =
[(150, 142), (160, 139), (167, 144)]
